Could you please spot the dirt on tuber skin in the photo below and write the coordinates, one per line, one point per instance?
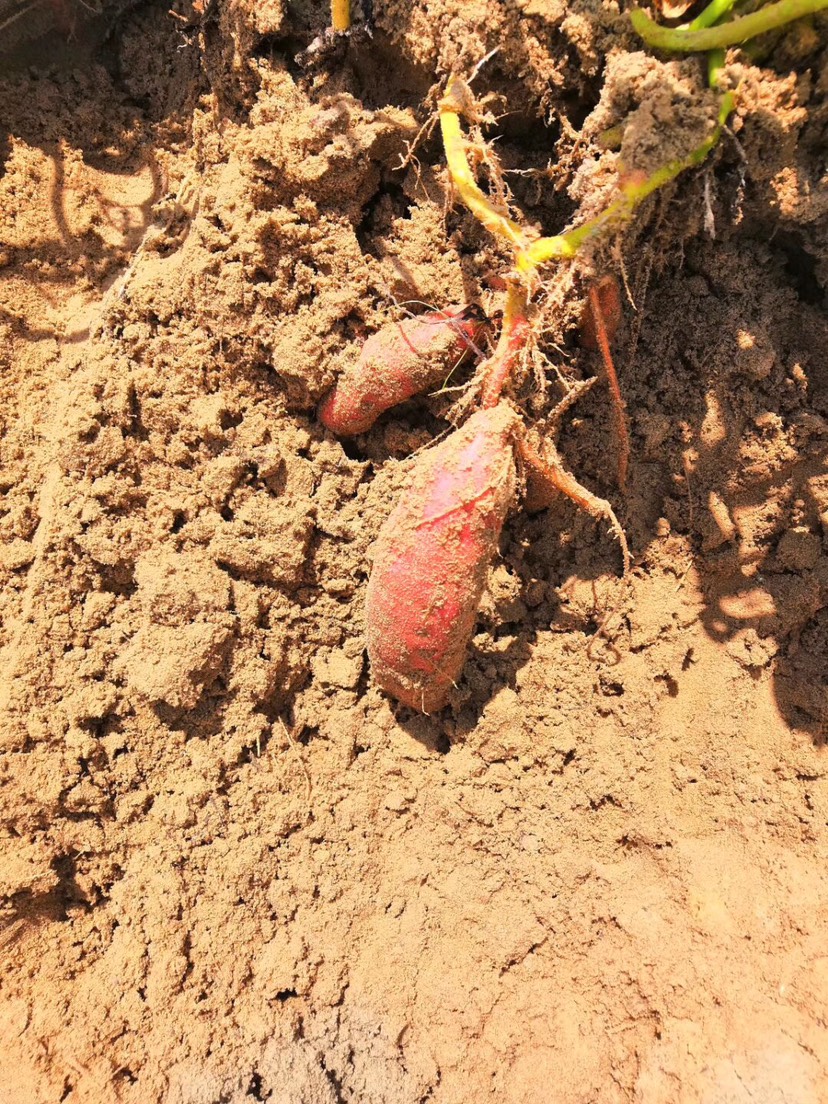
(399, 361)
(432, 557)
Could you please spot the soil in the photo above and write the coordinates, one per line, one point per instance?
(231, 868)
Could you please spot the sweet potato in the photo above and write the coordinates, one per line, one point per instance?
(399, 361)
(431, 559)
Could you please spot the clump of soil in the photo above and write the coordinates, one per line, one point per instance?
(231, 869)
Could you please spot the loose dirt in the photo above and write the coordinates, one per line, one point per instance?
(230, 868)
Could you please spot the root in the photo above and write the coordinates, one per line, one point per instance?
(24, 9)
(619, 408)
(552, 470)
(613, 609)
(513, 339)
(575, 392)
(410, 156)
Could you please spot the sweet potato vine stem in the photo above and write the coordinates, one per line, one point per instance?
(633, 192)
(692, 40)
(515, 331)
(531, 252)
(514, 334)
(341, 15)
(458, 101)
(714, 11)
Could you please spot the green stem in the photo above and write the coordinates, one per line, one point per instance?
(711, 14)
(715, 64)
(729, 34)
(632, 194)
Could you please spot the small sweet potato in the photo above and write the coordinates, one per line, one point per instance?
(432, 556)
(400, 360)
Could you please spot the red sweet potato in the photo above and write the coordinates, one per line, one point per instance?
(432, 556)
(400, 360)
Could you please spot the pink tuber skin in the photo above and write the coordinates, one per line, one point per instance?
(432, 556)
(400, 360)
(433, 553)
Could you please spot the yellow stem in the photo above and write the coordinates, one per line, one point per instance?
(542, 250)
(341, 15)
(456, 100)
(531, 252)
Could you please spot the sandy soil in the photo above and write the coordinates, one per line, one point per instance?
(231, 869)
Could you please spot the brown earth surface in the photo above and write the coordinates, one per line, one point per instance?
(231, 869)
